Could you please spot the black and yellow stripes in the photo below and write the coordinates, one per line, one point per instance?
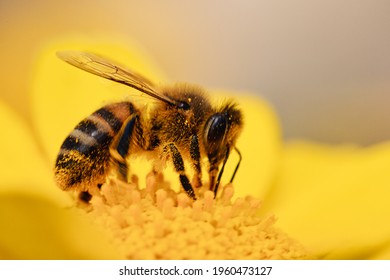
(84, 156)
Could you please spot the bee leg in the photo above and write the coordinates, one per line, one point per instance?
(195, 156)
(179, 167)
(120, 146)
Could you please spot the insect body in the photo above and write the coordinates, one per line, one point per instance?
(182, 124)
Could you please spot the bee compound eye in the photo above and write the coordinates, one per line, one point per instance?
(215, 132)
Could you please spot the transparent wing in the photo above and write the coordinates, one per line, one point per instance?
(110, 70)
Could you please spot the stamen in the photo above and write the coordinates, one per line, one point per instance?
(158, 223)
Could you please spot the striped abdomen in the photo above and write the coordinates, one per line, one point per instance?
(84, 157)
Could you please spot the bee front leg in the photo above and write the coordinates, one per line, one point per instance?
(120, 146)
(195, 156)
(179, 167)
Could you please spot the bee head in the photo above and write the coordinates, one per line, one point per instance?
(220, 133)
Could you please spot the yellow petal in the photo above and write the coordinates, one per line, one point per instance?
(63, 95)
(336, 199)
(23, 168)
(34, 228)
(382, 253)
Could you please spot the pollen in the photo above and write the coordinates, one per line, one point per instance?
(158, 223)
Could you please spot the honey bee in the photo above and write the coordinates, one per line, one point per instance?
(180, 124)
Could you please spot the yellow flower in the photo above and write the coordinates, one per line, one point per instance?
(332, 200)
(61, 96)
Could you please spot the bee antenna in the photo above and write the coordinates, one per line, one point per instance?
(221, 172)
(238, 164)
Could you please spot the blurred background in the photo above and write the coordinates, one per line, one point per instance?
(323, 65)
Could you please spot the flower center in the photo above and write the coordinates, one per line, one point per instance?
(158, 223)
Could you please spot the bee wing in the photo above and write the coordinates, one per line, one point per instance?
(110, 70)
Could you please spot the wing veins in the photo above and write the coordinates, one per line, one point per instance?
(104, 68)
